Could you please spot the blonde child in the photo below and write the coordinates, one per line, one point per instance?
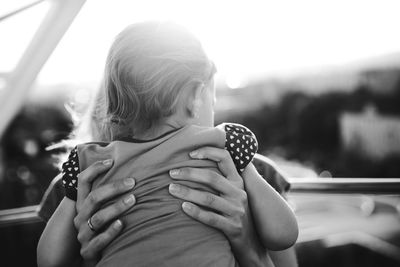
(158, 103)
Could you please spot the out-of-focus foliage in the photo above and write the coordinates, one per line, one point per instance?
(26, 167)
(306, 128)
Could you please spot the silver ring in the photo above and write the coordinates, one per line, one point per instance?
(89, 223)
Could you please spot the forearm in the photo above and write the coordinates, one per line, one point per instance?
(284, 258)
(58, 245)
(254, 256)
(248, 249)
(275, 222)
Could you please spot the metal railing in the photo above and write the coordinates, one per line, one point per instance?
(17, 216)
(375, 186)
(345, 185)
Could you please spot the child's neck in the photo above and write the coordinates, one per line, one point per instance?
(159, 130)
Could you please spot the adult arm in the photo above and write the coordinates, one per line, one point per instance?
(58, 245)
(238, 225)
(105, 219)
(274, 220)
(88, 205)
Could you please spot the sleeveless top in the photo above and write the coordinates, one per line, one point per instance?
(157, 232)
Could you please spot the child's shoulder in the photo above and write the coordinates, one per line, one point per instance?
(73, 156)
(240, 142)
(91, 144)
(235, 128)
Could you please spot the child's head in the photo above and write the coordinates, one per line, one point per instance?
(155, 71)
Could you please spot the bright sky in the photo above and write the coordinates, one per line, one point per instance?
(244, 38)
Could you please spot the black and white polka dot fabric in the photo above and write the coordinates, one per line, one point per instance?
(241, 144)
(70, 171)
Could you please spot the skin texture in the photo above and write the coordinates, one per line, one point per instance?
(70, 220)
(227, 211)
(277, 225)
(235, 220)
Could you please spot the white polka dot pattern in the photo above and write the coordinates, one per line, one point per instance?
(70, 171)
(241, 144)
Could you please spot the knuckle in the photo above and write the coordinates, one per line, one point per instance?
(184, 191)
(241, 183)
(186, 171)
(235, 229)
(98, 164)
(243, 197)
(93, 198)
(118, 186)
(217, 180)
(195, 212)
(229, 230)
(78, 207)
(96, 220)
(76, 222)
(226, 154)
(81, 177)
(105, 236)
(121, 206)
(85, 253)
(212, 221)
(213, 178)
(86, 175)
(97, 242)
(209, 199)
(112, 231)
(240, 211)
(79, 237)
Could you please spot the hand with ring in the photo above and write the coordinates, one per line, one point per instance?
(227, 210)
(97, 226)
(89, 223)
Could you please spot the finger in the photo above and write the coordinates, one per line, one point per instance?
(87, 176)
(221, 157)
(207, 217)
(204, 176)
(98, 243)
(102, 217)
(205, 199)
(104, 193)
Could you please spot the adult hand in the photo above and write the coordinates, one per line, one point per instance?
(228, 210)
(103, 219)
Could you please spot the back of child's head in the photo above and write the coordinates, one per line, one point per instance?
(149, 68)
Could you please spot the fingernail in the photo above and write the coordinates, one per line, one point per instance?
(193, 153)
(117, 225)
(174, 188)
(186, 206)
(196, 154)
(107, 162)
(129, 200)
(129, 182)
(174, 172)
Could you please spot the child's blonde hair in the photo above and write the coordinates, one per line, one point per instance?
(148, 67)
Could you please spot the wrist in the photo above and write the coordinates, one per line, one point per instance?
(89, 263)
(252, 253)
(253, 258)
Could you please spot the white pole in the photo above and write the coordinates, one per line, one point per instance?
(45, 40)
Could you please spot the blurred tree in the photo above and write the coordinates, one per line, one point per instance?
(306, 128)
(28, 166)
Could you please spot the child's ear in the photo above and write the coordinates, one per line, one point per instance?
(195, 101)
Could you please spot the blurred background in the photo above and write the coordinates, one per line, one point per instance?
(317, 81)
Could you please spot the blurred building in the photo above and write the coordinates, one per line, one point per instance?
(381, 80)
(371, 134)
